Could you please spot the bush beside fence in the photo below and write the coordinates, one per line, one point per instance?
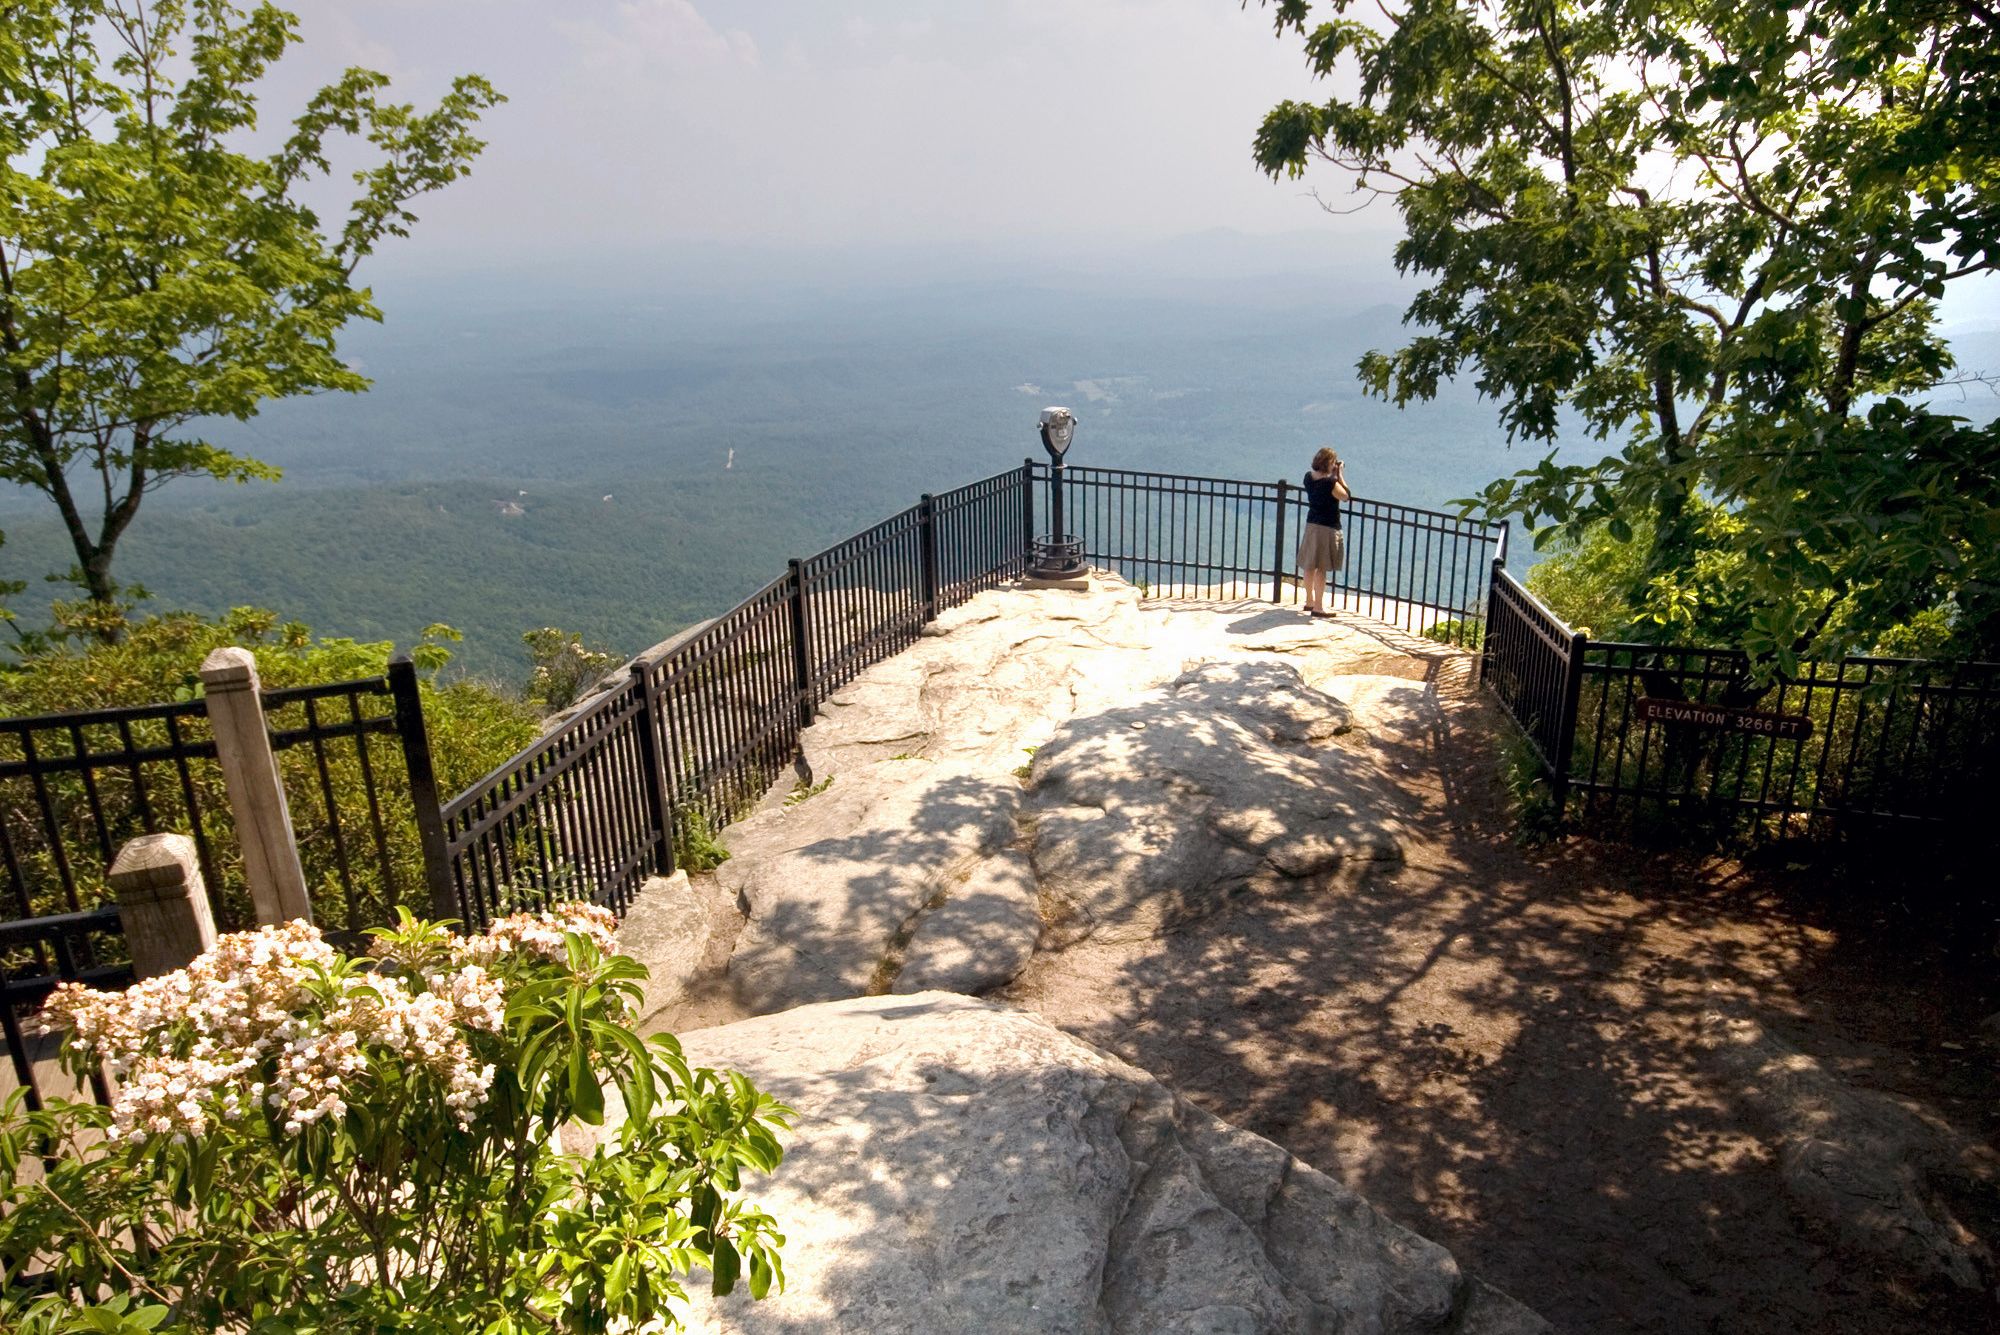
(1895, 742)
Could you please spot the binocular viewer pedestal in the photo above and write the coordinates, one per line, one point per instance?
(1055, 561)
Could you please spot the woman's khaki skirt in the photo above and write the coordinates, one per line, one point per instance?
(1322, 548)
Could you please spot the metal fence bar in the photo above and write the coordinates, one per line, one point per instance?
(1883, 734)
(35, 955)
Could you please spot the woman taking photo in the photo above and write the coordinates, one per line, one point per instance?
(1321, 548)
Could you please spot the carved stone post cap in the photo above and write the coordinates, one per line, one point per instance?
(230, 668)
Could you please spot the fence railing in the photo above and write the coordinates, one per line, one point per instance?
(1886, 740)
(693, 737)
(687, 741)
(1530, 661)
(1178, 537)
(75, 787)
(1632, 733)
(865, 599)
(690, 737)
(36, 954)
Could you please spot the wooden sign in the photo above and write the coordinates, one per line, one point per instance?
(1788, 727)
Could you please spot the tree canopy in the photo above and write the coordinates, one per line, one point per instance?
(1715, 236)
(153, 273)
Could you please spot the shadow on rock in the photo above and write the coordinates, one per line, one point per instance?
(1154, 814)
(959, 1167)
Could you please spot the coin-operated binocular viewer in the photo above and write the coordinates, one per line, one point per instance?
(1056, 554)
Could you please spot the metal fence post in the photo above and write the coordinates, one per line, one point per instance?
(256, 791)
(927, 535)
(1486, 631)
(653, 770)
(801, 651)
(1278, 552)
(1579, 645)
(1027, 512)
(162, 903)
(424, 795)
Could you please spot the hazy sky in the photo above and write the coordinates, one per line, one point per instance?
(802, 122)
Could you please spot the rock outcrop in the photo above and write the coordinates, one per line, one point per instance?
(831, 885)
(1179, 752)
(1153, 813)
(1875, 1173)
(959, 1167)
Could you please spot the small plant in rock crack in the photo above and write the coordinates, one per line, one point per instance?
(695, 846)
(803, 790)
(1022, 772)
(306, 1141)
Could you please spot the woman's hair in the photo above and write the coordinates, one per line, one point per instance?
(1323, 461)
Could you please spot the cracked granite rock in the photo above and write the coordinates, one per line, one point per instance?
(1154, 813)
(960, 1167)
(1178, 751)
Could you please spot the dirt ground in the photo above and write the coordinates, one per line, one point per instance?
(1498, 1046)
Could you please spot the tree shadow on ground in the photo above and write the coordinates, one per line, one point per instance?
(1500, 1047)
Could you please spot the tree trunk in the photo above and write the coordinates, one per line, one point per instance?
(101, 589)
(97, 581)
(1673, 529)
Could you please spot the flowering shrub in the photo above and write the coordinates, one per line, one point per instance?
(306, 1142)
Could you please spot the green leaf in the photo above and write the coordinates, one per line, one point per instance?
(586, 1095)
(726, 1265)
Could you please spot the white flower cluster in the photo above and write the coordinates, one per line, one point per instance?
(239, 1001)
(542, 933)
(421, 1027)
(245, 1025)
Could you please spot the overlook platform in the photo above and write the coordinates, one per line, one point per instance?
(1269, 861)
(1059, 764)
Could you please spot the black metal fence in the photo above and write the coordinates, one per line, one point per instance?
(1530, 661)
(1898, 742)
(1205, 537)
(1636, 735)
(690, 739)
(35, 955)
(687, 741)
(75, 787)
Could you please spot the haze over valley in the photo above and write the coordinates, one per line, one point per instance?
(554, 449)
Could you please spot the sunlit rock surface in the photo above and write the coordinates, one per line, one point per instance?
(1092, 759)
(959, 1167)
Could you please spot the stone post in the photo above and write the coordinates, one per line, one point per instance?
(256, 792)
(162, 903)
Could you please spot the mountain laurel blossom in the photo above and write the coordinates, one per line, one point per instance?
(303, 1139)
(268, 1022)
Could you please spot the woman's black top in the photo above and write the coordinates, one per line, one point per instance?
(1321, 507)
